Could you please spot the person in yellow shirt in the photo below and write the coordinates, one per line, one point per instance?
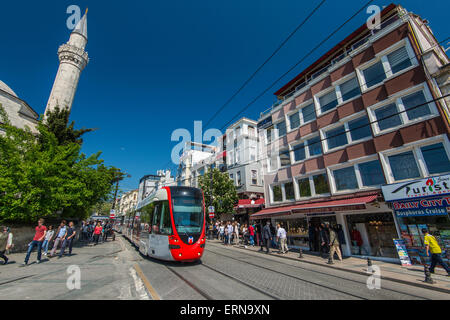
(431, 245)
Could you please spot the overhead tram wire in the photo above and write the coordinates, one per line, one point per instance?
(360, 127)
(265, 62)
(300, 61)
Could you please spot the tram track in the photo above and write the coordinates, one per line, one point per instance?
(322, 273)
(290, 276)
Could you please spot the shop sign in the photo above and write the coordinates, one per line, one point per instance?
(422, 207)
(320, 214)
(400, 245)
(433, 186)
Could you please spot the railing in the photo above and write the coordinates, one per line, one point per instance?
(333, 62)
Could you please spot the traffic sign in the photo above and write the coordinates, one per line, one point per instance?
(211, 215)
(211, 209)
(112, 214)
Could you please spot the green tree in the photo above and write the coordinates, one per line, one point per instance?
(57, 122)
(41, 176)
(222, 195)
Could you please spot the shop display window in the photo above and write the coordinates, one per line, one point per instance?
(297, 231)
(372, 234)
(411, 232)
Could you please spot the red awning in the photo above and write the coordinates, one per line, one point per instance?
(248, 203)
(325, 206)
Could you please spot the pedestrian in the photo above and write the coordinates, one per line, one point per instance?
(334, 243)
(222, 232)
(267, 236)
(85, 232)
(4, 245)
(39, 236)
(258, 232)
(60, 236)
(431, 245)
(251, 233)
(97, 232)
(236, 233)
(229, 232)
(274, 232)
(311, 236)
(324, 240)
(48, 238)
(68, 241)
(282, 239)
(341, 236)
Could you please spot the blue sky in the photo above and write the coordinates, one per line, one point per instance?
(160, 65)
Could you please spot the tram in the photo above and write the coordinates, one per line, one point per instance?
(169, 224)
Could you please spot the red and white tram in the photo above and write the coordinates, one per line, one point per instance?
(169, 224)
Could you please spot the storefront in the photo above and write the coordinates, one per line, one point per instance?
(422, 204)
(366, 227)
(247, 207)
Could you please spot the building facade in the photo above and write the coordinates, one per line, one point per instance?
(127, 202)
(368, 113)
(150, 183)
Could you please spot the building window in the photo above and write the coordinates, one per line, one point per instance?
(345, 179)
(238, 176)
(308, 113)
(304, 188)
(299, 152)
(321, 185)
(294, 121)
(404, 166)
(232, 177)
(314, 146)
(415, 105)
(277, 194)
(269, 135)
(350, 89)
(285, 158)
(388, 117)
(328, 101)
(374, 74)
(336, 137)
(289, 191)
(426, 158)
(371, 173)
(436, 158)
(281, 129)
(359, 128)
(403, 110)
(254, 177)
(251, 131)
(399, 60)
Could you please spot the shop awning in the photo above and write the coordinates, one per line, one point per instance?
(248, 203)
(356, 203)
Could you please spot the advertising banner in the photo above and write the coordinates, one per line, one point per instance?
(422, 207)
(427, 187)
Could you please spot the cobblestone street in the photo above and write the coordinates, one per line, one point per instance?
(117, 271)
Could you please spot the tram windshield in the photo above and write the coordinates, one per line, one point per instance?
(188, 214)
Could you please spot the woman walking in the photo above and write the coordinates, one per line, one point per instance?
(97, 232)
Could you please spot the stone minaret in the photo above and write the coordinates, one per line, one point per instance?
(73, 59)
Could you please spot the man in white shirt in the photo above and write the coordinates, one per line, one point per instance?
(282, 239)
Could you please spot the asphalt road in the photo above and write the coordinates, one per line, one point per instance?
(117, 271)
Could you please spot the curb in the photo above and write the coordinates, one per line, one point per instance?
(420, 285)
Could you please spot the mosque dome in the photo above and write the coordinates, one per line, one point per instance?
(4, 87)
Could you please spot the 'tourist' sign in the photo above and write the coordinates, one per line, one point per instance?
(433, 186)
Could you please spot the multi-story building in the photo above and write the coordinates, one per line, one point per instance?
(128, 202)
(150, 183)
(243, 166)
(368, 113)
(194, 162)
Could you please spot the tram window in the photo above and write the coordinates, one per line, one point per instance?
(166, 222)
(147, 217)
(156, 218)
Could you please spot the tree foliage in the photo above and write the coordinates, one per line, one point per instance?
(44, 175)
(222, 195)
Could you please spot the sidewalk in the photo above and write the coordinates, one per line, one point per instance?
(413, 275)
(106, 273)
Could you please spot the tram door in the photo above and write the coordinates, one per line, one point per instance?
(146, 221)
(161, 229)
